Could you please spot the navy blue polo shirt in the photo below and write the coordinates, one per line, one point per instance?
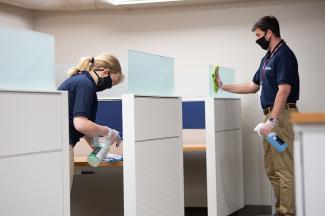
(83, 101)
(276, 69)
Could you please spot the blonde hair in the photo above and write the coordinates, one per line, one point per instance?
(103, 60)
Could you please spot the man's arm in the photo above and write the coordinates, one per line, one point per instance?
(280, 100)
(278, 106)
(243, 88)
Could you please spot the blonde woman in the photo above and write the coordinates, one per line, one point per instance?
(91, 75)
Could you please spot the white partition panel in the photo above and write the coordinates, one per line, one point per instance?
(34, 156)
(153, 156)
(224, 156)
(26, 117)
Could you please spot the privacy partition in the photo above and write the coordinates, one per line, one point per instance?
(153, 156)
(27, 60)
(34, 156)
(224, 156)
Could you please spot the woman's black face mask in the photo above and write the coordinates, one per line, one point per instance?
(103, 82)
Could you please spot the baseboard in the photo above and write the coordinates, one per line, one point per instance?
(247, 210)
(196, 210)
(254, 209)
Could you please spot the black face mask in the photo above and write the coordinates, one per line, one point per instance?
(103, 82)
(263, 42)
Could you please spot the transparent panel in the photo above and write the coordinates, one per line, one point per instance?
(150, 74)
(227, 76)
(61, 72)
(27, 60)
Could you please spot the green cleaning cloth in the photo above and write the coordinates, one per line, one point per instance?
(215, 74)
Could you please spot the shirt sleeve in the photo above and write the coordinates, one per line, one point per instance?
(286, 69)
(84, 97)
(256, 78)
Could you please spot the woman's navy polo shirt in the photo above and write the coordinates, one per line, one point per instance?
(278, 69)
(83, 101)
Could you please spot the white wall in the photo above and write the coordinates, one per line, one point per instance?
(196, 37)
(15, 17)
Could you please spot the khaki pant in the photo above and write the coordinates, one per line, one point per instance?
(71, 160)
(279, 167)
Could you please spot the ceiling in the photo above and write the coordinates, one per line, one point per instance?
(60, 5)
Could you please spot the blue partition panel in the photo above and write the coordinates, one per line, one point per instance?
(227, 76)
(193, 115)
(150, 74)
(109, 113)
(27, 60)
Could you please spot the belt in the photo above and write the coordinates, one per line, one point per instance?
(288, 106)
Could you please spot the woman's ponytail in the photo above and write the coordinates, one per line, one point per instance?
(85, 64)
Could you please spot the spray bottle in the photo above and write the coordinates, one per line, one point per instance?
(273, 139)
(101, 149)
(276, 142)
(99, 153)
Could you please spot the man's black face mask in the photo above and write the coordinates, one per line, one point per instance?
(103, 82)
(263, 42)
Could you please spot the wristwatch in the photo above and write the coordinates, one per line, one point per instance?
(274, 121)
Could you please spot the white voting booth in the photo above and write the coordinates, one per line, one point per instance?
(152, 147)
(34, 155)
(223, 142)
(153, 156)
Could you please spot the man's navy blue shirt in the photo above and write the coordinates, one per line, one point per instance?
(281, 68)
(83, 101)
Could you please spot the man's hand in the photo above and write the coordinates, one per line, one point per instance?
(219, 81)
(265, 128)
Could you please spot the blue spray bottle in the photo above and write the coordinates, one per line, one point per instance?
(276, 142)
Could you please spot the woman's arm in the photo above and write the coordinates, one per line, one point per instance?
(89, 128)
